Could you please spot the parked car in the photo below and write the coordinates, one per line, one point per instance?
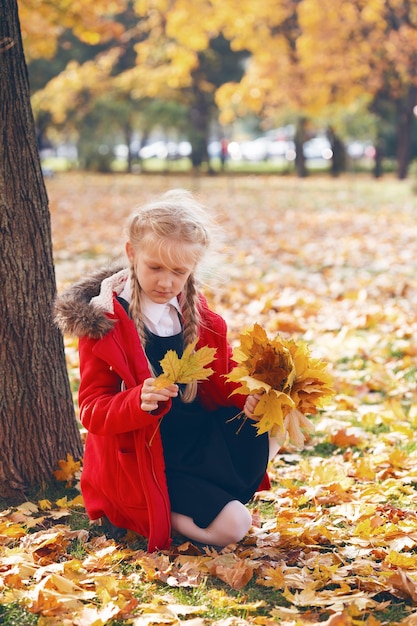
(360, 149)
(259, 149)
(281, 149)
(255, 150)
(318, 148)
(165, 150)
(155, 150)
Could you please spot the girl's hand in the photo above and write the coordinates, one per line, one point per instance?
(250, 405)
(150, 396)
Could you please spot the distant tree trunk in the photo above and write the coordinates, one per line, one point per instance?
(378, 159)
(339, 154)
(37, 422)
(299, 139)
(200, 125)
(128, 139)
(405, 126)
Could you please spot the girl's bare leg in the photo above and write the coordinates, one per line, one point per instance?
(230, 526)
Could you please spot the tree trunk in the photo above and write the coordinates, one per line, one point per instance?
(37, 420)
(128, 139)
(404, 133)
(299, 139)
(378, 159)
(199, 125)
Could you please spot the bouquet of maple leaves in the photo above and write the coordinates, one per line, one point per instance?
(291, 383)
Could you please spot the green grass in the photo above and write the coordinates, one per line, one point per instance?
(15, 615)
(183, 165)
(324, 449)
(52, 490)
(394, 613)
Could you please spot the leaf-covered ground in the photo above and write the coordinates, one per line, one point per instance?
(331, 261)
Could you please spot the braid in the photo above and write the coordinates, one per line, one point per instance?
(135, 309)
(189, 306)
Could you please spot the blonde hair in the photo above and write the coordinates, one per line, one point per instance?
(165, 225)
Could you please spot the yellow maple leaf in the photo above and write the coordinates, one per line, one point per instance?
(398, 458)
(45, 505)
(292, 383)
(364, 469)
(271, 408)
(190, 367)
(68, 471)
(403, 561)
(12, 530)
(272, 577)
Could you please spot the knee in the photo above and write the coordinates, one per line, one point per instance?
(230, 526)
(233, 523)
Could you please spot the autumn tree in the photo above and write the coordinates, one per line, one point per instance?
(370, 49)
(274, 79)
(316, 57)
(155, 59)
(37, 422)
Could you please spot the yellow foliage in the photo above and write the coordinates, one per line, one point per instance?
(67, 89)
(43, 22)
(306, 55)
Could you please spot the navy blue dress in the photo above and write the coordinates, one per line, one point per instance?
(211, 458)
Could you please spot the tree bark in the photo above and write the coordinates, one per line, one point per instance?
(37, 419)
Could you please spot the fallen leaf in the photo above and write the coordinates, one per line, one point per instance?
(232, 570)
(69, 470)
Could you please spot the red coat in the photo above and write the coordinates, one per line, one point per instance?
(123, 472)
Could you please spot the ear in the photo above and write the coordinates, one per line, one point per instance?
(130, 251)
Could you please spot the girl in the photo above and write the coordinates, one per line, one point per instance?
(172, 458)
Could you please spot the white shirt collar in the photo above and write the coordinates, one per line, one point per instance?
(154, 311)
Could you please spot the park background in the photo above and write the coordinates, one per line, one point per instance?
(127, 85)
(314, 247)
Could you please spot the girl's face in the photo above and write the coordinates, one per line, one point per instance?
(159, 278)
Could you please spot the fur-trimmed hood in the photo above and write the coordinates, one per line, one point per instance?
(82, 309)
